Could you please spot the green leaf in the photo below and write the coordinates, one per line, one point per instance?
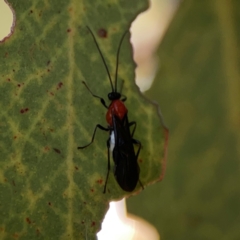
(198, 89)
(49, 188)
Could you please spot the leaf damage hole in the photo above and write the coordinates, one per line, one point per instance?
(7, 20)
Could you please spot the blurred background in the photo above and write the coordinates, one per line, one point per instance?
(6, 17)
(197, 86)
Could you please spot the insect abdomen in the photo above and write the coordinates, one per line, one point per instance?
(126, 170)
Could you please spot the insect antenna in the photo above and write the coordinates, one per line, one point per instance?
(117, 60)
(104, 62)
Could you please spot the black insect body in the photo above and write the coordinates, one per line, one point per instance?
(126, 170)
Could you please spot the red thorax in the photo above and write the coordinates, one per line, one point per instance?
(116, 108)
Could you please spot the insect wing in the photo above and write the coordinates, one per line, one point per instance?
(126, 167)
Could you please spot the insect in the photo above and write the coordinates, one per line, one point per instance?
(120, 141)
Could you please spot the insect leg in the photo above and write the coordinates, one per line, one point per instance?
(134, 141)
(139, 148)
(101, 99)
(141, 184)
(124, 98)
(97, 126)
(108, 169)
(134, 128)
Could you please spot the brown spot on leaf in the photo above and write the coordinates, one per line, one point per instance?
(15, 235)
(46, 148)
(24, 110)
(100, 181)
(102, 33)
(28, 220)
(60, 84)
(57, 150)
